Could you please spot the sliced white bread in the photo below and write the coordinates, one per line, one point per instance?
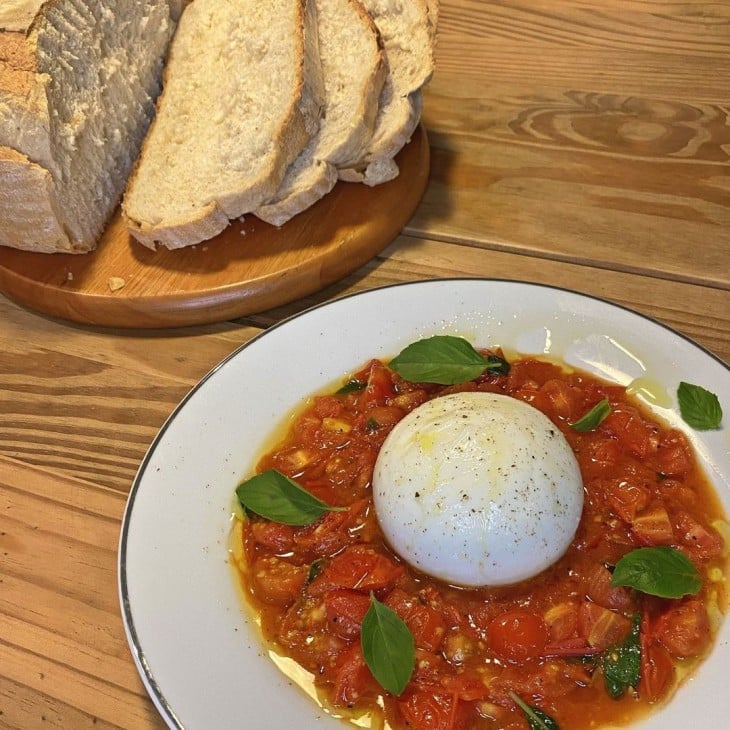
(408, 31)
(354, 71)
(78, 83)
(242, 96)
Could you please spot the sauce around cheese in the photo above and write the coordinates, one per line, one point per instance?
(557, 643)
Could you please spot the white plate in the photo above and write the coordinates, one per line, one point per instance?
(197, 652)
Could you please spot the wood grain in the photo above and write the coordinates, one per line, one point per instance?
(63, 652)
(250, 266)
(588, 132)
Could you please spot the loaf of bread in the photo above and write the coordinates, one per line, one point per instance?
(242, 96)
(78, 84)
(353, 70)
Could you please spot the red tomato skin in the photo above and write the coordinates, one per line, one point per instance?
(275, 536)
(331, 532)
(684, 630)
(352, 678)
(345, 612)
(600, 626)
(278, 582)
(359, 568)
(517, 635)
(426, 624)
(625, 423)
(657, 671)
(427, 711)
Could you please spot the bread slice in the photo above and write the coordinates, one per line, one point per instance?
(242, 96)
(78, 83)
(408, 30)
(353, 69)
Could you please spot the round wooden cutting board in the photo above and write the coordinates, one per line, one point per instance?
(250, 267)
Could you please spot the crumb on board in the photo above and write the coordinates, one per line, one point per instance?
(116, 282)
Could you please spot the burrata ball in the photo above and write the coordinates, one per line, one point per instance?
(478, 489)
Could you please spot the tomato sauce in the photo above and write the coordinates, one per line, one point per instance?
(476, 649)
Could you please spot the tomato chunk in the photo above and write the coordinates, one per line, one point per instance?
(674, 455)
(657, 670)
(352, 678)
(684, 630)
(359, 568)
(517, 635)
(626, 424)
(702, 542)
(278, 581)
(653, 527)
(600, 627)
(273, 535)
(426, 624)
(426, 711)
(345, 611)
(330, 533)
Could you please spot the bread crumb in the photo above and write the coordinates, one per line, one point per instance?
(70, 276)
(116, 282)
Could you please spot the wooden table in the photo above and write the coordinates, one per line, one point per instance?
(582, 143)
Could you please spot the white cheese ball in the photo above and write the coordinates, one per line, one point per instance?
(478, 489)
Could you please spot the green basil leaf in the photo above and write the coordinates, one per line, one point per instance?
(536, 718)
(593, 418)
(280, 499)
(442, 359)
(699, 407)
(497, 365)
(622, 663)
(388, 647)
(351, 386)
(659, 571)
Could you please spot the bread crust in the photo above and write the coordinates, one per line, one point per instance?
(29, 217)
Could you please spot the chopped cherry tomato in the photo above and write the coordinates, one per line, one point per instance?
(278, 581)
(360, 568)
(378, 389)
(345, 611)
(673, 454)
(426, 711)
(328, 406)
(657, 670)
(626, 424)
(653, 527)
(426, 624)
(684, 629)
(273, 535)
(330, 533)
(601, 452)
(467, 686)
(517, 635)
(598, 588)
(627, 498)
(564, 400)
(702, 542)
(601, 627)
(352, 678)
